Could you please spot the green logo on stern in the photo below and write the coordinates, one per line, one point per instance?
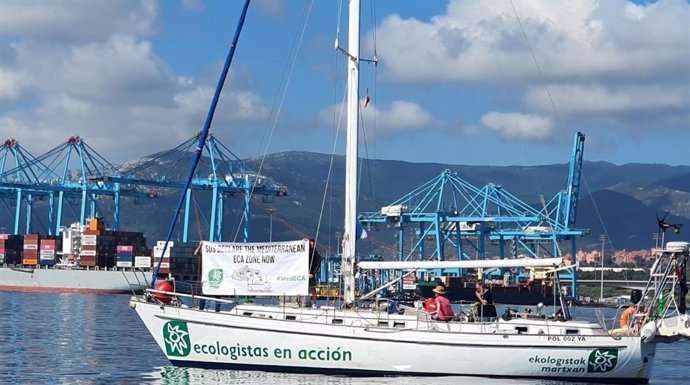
(602, 360)
(176, 337)
(215, 277)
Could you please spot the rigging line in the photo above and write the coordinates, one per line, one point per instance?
(337, 24)
(292, 56)
(282, 98)
(201, 235)
(536, 63)
(499, 63)
(330, 166)
(596, 210)
(204, 134)
(195, 204)
(373, 30)
(366, 161)
(335, 122)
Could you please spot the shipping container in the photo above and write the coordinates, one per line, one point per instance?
(142, 261)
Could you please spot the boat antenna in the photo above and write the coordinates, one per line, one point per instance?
(203, 135)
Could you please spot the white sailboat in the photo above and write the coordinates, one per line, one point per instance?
(371, 341)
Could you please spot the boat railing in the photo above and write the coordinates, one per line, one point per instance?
(139, 283)
(175, 298)
(658, 296)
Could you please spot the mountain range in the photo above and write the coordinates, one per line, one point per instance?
(621, 201)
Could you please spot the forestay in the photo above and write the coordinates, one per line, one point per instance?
(263, 268)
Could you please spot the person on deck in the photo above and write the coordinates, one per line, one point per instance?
(314, 267)
(630, 326)
(443, 310)
(487, 310)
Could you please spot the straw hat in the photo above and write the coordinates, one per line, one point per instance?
(439, 290)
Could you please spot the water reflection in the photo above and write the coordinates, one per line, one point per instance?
(89, 339)
(171, 375)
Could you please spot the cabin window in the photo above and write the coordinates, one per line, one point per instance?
(383, 323)
(571, 331)
(399, 325)
(290, 317)
(337, 321)
(248, 314)
(521, 329)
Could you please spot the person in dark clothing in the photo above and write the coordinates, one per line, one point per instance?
(487, 310)
(314, 267)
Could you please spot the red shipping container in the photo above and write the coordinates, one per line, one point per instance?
(125, 248)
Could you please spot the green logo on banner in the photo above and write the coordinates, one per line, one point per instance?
(602, 360)
(215, 277)
(176, 337)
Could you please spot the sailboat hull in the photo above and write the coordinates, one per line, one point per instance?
(246, 339)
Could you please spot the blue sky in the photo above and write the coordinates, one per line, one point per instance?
(457, 82)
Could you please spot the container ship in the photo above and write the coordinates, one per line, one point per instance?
(89, 259)
(525, 293)
(530, 287)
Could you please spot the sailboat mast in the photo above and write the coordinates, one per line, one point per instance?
(351, 154)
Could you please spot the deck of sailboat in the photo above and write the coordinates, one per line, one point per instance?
(329, 319)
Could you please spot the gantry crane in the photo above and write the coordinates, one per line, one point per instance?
(221, 172)
(58, 175)
(458, 217)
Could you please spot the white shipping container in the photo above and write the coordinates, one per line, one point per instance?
(89, 237)
(46, 252)
(124, 264)
(393, 211)
(30, 246)
(157, 253)
(140, 261)
(88, 242)
(88, 252)
(162, 243)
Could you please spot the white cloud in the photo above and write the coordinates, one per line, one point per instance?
(482, 41)
(195, 5)
(10, 88)
(572, 99)
(520, 126)
(76, 19)
(109, 87)
(120, 70)
(270, 8)
(399, 117)
(234, 105)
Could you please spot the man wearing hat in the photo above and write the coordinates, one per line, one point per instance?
(443, 311)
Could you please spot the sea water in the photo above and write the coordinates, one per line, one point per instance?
(98, 339)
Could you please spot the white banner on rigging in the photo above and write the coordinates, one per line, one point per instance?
(276, 268)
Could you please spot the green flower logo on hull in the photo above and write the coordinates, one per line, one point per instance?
(215, 277)
(176, 337)
(602, 360)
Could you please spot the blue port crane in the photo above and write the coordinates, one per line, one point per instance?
(17, 176)
(59, 175)
(221, 173)
(74, 173)
(461, 218)
(564, 204)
